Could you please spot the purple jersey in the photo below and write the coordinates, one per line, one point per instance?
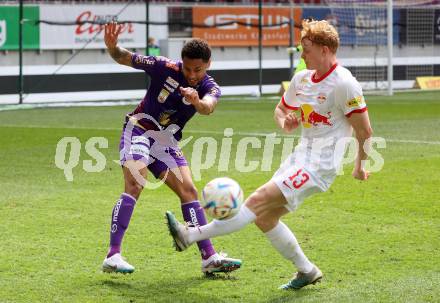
(163, 100)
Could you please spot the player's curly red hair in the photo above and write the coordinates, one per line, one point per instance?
(320, 32)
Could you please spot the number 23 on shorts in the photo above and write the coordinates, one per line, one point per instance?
(297, 180)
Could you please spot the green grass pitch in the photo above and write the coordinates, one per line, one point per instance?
(377, 241)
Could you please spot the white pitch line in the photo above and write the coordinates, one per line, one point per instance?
(297, 136)
(413, 141)
(60, 127)
(255, 134)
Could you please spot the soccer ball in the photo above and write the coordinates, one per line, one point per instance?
(222, 198)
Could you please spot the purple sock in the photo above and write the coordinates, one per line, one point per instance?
(120, 219)
(193, 213)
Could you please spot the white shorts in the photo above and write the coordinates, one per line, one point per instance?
(296, 182)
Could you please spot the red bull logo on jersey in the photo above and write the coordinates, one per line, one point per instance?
(310, 117)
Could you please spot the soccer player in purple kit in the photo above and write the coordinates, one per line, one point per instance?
(178, 90)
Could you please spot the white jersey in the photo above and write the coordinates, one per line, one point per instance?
(325, 104)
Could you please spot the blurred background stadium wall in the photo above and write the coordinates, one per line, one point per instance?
(64, 57)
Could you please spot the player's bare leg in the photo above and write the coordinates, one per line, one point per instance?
(265, 206)
(259, 202)
(180, 181)
(135, 173)
(184, 236)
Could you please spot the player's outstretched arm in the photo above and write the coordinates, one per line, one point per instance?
(119, 54)
(361, 125)
(204, 106)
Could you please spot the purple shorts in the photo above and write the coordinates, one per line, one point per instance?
(154, 148)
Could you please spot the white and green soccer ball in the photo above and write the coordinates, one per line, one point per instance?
(222, 198)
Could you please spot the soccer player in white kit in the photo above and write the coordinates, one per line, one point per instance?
(331, 106)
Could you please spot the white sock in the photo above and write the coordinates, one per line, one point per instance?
(285, 242)
(222, 227)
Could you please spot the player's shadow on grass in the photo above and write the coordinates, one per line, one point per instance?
(160, 291)
(117, 284)
(180, 291)
(292, 295)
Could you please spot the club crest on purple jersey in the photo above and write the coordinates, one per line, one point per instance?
(163, 95)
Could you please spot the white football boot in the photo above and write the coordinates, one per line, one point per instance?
(117, 264)
(178, 231)
(303, 279)
(220, 263)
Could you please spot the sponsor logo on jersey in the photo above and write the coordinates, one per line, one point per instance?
(169, 88)
(170, 85)
(304, 80)
(163, 95)
(172, 82)
(164, 117)
(310, 117)
(144, 60)
(302, 83)
(172, 65)
(168, 63)
(214, 91)
(356, 101)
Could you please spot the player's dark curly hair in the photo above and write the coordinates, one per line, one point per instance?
(196, 49)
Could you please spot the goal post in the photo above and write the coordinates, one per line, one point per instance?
(367, 34)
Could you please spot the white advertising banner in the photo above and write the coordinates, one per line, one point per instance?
(133, 35)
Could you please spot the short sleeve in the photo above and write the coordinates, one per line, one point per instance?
(211, 89)
(146, 63)
(289, 99)
(350, 98)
